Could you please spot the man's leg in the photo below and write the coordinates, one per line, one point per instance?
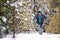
(41, 29)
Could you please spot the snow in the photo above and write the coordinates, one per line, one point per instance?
(26, 19)
(7, 1)
(33, 36)
(20, 3)
(4, 19)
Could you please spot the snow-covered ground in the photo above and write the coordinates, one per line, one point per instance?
(33, 36)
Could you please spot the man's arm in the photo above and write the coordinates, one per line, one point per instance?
(34, 18)
(44, 16)
(46, 20)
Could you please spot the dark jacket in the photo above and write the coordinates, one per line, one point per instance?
(40, 19)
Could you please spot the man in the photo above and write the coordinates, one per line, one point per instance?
(40, 20)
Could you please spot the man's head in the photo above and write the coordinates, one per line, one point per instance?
(39, 12)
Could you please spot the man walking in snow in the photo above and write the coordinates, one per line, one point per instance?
(40, 20)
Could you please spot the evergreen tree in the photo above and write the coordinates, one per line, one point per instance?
(54, 26)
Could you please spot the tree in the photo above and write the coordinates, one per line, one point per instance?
(19, 18)
(7, 14)
(54, 25)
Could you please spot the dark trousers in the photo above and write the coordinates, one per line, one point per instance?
(40, 26)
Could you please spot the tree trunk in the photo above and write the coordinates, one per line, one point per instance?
(14, 33)
(13, 22)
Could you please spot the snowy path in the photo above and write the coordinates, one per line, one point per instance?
(34, 36)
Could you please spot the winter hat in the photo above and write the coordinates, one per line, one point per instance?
(39, 12)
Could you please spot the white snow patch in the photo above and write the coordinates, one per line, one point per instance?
(33, 36)
(4, 19)
(20, 3)
(26, 19)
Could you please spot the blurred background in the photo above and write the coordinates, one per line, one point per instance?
(16, 16)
